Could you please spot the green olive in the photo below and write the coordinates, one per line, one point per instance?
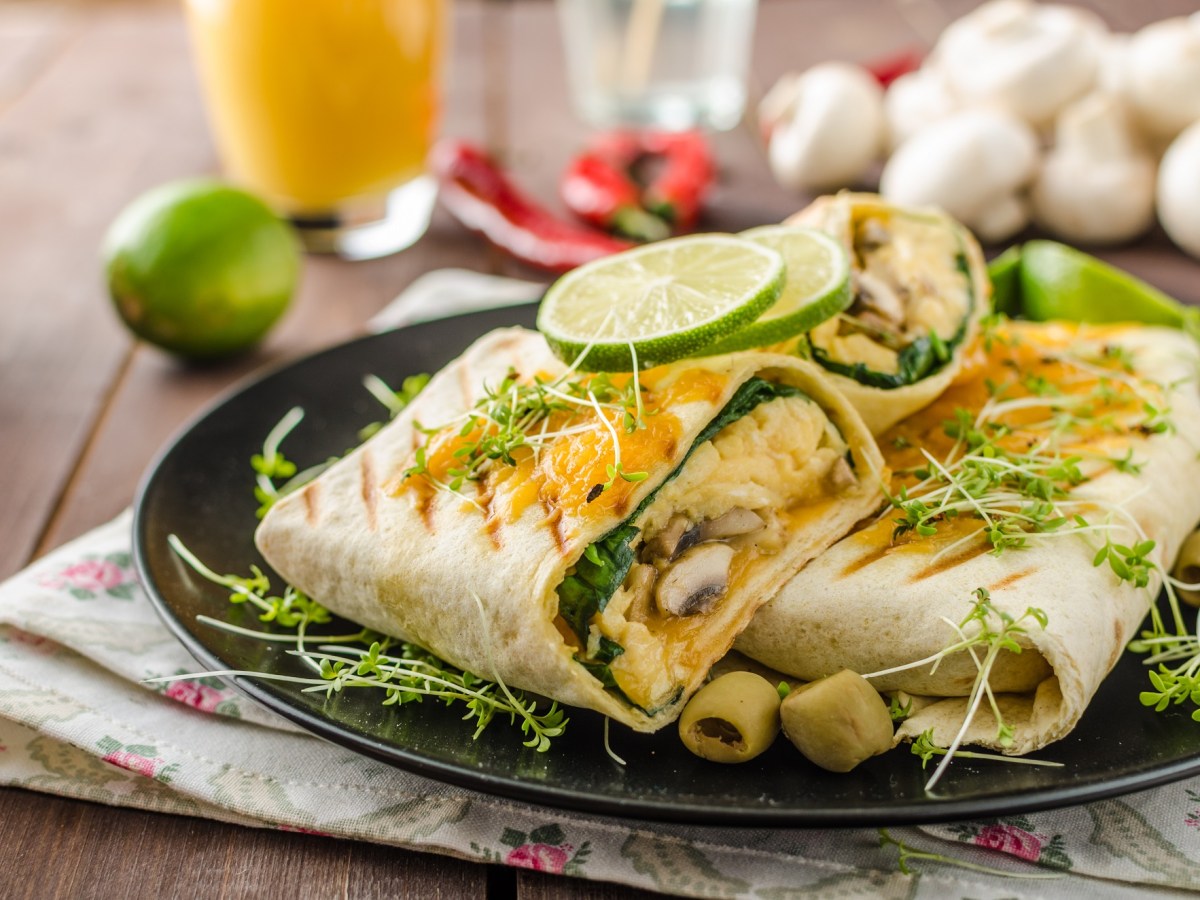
(837, 722)
(731, 719)
(1187, 568)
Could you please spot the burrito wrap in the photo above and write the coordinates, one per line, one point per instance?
(914, 266)
(870, 603)
(476, 585)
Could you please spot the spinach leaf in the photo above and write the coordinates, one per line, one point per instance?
(603, 567)
(923, 357)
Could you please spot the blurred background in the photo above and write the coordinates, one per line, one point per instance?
(101, 101)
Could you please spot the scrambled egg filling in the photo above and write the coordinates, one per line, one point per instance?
(907, 284)
(729, 505)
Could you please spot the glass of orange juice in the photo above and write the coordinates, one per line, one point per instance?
(327, 108)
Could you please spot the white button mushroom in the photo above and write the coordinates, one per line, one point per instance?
(827, 126)
(974, 165)
(1163, 75)
(1179, 190)
(916, 100)
(1026, 58)
(1097, 185)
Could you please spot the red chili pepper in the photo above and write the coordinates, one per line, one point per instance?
(600, 185)
(680, 187)
(889, 68)
(480, 195)
(607, 197)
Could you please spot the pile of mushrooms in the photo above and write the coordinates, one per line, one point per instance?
(1021, 112)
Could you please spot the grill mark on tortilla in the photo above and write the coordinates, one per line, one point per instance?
(863, 561)
(554, 522)
(1011, 579)
(466, 385)
(967, 554)
(366, 472)
(491, 521)
(310, 503)
(1119, 646)
(424, 491)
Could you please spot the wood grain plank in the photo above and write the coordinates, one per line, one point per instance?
(56, 848)
(334, 302)
(540, 886)
(30, 38)
(73, 149)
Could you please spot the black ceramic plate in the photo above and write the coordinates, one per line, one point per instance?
(200, 489)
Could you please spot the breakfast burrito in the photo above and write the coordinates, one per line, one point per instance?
(1058, 474)
(920, 289)
(597, 539)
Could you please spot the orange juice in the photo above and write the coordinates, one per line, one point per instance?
(319, 102)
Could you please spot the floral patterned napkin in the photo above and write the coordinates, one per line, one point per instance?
(78, 637)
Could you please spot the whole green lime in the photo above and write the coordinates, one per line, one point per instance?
(200, 268)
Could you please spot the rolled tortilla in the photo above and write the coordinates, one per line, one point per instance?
(875, 600)
(494, 578)
(921, 288)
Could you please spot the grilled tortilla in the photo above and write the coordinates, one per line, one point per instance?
(753, 465)
(1118, 403)
(920, 289)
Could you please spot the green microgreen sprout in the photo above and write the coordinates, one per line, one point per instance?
(1178, 683)
(612, 754)
(909, 854)
(404, 672)
(897, 710)
(271, 465)
(518, 413)
(1025, 494)
(991, 628)
(393, 401)
(1021, 494)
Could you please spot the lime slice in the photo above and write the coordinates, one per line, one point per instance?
(1059, 282)
(668, 300)
(818, 287)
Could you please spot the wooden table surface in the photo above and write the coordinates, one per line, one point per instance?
(98, 101)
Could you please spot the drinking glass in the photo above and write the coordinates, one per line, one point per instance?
(327, 109)
(669, 64)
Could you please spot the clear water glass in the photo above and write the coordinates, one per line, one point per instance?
(669, 64)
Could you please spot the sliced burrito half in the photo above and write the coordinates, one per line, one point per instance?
(920, 289)
(592, 538)
(1041, 476)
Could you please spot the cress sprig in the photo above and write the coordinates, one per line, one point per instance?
(518, 413)
(993, 630)
(404, 672)
(407, 675)
(909, 854)
(1024, 495)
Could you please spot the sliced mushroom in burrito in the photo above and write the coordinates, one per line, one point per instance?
(594, 538)
(920, 288)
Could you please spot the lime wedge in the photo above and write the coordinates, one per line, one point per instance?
(818, 287)
(667, 300)
(1005, 274)
(1059, 282)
